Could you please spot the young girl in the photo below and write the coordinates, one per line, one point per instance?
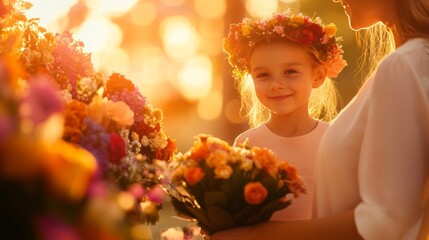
(283, 66)
(374, 157)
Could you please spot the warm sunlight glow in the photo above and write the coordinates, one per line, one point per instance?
(261, 8)
(99, 34)
(179, 38)
(113, 8)
(173, 3)
(289, 1)
(143, 13)
(210, 107)
(113, 59)
(150, 66)
(232, 111)
(50, 12)
(210, 9)
(195, 78)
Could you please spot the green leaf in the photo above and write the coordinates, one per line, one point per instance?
(181, 209)
(216, 198)
(200, 215)
(219, 218)
(265, 213)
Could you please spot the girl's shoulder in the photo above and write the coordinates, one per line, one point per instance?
(257, 132)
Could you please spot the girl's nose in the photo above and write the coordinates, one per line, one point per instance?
(277, 83)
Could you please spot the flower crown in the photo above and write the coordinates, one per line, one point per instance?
(298, 28)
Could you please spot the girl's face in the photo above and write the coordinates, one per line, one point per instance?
(284, 76)
(365, 13)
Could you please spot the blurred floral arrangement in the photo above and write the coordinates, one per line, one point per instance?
(49, 188)
(108, 117)
(223, 187)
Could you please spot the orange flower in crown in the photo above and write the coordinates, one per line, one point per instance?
(298, 28)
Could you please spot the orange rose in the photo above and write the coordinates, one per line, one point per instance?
(255, 193)
(193, 175)
(265, 159)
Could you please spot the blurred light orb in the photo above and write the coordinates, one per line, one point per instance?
(173, 3)
(113, 59)
(180, 39)
(210, 9)
(141, 232)
(232, 111)
(50, 12)
(150, 66)
(261, 8)
(126, 201)
(111, 8)
(99, 34)
(194, 80)
(143, 14)
(210, 107)
(289, 1)
(154, 70)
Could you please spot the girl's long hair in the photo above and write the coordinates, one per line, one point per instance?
(322, 103)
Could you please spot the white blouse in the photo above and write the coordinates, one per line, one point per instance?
(375, 156)
(299, 151)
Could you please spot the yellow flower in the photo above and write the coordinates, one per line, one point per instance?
(68, 169)
(218, 158)
(246, 29)
(223, 171)
(22, 158)
(330, 29)
(297, 19)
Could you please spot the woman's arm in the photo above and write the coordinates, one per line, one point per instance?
(340, 226)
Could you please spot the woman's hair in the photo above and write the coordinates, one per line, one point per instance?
(320, 41)
(322, 103)
(411, 20)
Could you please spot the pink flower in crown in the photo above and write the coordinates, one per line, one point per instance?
(279, 30)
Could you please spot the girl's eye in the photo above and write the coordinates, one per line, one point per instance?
(262, 75)
(290, 71)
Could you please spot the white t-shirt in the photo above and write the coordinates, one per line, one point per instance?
(300, 152)
(375, 156)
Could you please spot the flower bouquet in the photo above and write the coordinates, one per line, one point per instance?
(223, 187)
(108, 117)
(49, 188)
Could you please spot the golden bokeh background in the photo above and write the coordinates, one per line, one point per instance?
(172, 50)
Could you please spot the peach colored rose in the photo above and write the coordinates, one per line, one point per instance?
(101, 109)
(255, 193)
(193, 175)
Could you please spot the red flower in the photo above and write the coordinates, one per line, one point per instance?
(116, 148)
(305, 37)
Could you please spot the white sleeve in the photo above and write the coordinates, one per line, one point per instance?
(394, 154)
